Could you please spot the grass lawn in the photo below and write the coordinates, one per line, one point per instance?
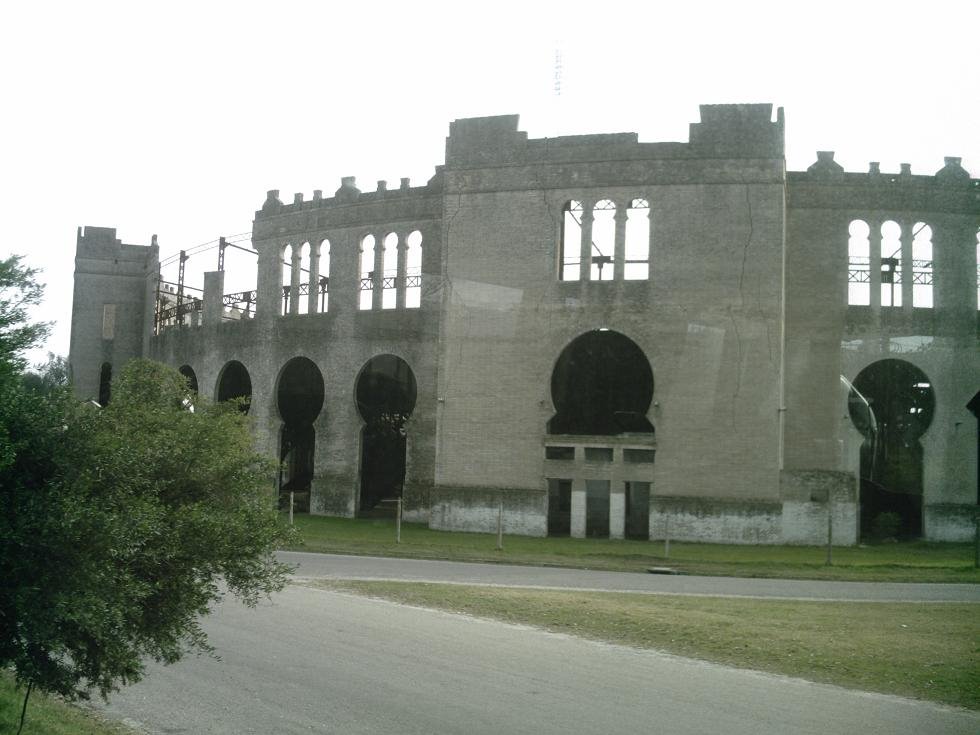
(924, 650)
(49, 715)
(896, 562)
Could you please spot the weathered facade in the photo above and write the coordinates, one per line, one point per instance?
(605, 336)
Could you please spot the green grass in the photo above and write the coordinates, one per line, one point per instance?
(49, 715)
(923, 650)
(903, 562)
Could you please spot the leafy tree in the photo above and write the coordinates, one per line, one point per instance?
(120, 527)
(48, 376)
(19, 290)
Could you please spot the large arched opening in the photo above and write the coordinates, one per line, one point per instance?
(892, 404)
(234, 383)
(601, 386)
(299, 397)
(386, 391)
(188, 372)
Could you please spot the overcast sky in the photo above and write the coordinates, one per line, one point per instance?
(175, 118)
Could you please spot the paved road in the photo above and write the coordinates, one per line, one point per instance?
(366, 567)
(322, 662)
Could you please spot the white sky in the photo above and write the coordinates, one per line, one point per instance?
(175, 118)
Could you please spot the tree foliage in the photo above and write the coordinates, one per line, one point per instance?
(121, 526)
(19, 290)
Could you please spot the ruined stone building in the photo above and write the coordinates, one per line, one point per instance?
(607, 337)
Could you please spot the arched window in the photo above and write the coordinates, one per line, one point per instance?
(366, 270)
(413, 271)
(389, 271)
(287, 277)
(891, 264)
(571, 242)
(324, 271)
(603, 240)
(858, 264)
(922, 265)
(636, 266)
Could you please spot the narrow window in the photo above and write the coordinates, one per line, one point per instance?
(413, 271)
(637, 255)
(108, 321)
(603, 240)
(105, 384)
(324, 273)
(571, 242)
(859, 264)
(304, 279)
(366, 272)
(891, 264)
(922, 265)
(287, 277)
(389, 271)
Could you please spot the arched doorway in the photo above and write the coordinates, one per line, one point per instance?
(601, 386)
(234, 383)
(299, 397)
(105, 384)
(188, 372)
(891, 403)
(386, 391)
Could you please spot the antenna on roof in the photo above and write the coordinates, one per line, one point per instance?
(557, 80)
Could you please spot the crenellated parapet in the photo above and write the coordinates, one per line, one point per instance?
(825, 185)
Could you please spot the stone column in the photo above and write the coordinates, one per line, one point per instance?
(314, 287)
(214, 287)
(585, 265)
(269, 280)
(295, 277)
(619, 252)
(906, 261)
(874, 253)
(578, 509)
(617, 509)
(378, 280)
(401, 282)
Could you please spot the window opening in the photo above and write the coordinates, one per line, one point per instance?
(859, 264)
(324, 275)
(922, 265)
(571, 242)
(639, 456)
(559, 453)
(892, 404)
(559, 507)
(105, 384)
(366, 270)
(637, 510)
(386, 392)
(299, 398)
(602, 384)
(597, 508)
(413, 271)
(891, 264)
(235, 383)
(598, 454)
(636, 266)
(603, 240)
(287, 278)
(188, 372)
(389, 271)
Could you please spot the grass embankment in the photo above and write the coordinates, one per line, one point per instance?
(48, 715)
(902, 562)
(928, 651)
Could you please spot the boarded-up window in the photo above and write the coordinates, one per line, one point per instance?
(108, 321)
